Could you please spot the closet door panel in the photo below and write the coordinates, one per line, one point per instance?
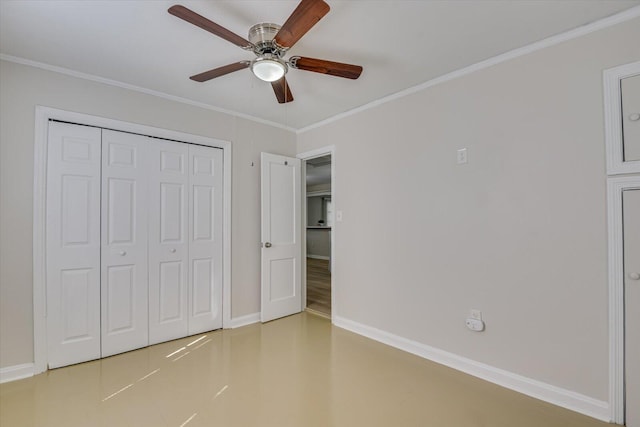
(124, 298)
(168, 243)
(73, 244)
(205, 239)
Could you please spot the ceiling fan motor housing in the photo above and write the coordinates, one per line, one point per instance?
(262, 35)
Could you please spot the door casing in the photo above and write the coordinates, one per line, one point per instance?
(308, 155)
(42, 117)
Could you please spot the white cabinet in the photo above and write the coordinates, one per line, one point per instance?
(134, 241)
(631, 229)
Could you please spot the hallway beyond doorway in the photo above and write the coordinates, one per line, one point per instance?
(319, 286)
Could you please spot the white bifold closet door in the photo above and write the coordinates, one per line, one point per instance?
(134, 241)
(73, 244)
(168, 241)
(205, 242)
(185, 240)
(124, 299)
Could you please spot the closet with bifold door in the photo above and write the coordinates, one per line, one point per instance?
(133, 241)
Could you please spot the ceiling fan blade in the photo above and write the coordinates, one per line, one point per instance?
(322, 66)
(282, 91)
(202, 22)
(305, 16)
(220, 71)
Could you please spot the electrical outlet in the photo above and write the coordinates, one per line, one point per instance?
(475, 314)
(475, 325)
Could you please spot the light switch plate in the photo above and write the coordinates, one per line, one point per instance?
(462, 156)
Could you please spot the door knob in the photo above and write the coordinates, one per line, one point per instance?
(634, 276)
(267, 245)
(123, 253)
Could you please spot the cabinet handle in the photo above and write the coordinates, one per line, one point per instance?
(634, 276)
(173, 250)
(123, 253)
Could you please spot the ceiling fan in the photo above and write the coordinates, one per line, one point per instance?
(270, 43)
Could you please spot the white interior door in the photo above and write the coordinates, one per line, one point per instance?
(168, 242)
(631, 224)
(124, 266)
(205, 239)
(73, 244)
(281, 231)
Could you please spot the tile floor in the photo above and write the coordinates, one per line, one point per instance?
(297, 371)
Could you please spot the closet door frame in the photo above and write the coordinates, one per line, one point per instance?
(42, 117)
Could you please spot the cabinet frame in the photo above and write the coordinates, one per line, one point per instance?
(616, 164)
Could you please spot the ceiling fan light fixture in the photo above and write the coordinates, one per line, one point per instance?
(269, 69)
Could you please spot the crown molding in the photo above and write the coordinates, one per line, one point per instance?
(122, 85)
(598, 25)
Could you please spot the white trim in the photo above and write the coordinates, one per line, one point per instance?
(40, 357)
(303, 235)
(16, 372)
(609, 21)
(615, 187)
(226, 241)
(42, 117)
(122, 85)
(613, 118)
(549, 393)
(326, 258)
(308, 155)
(245, 320)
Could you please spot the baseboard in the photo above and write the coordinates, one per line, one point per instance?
(245, 320)
(549, 393)
(16, 372)
(318, 257)
(317, 313)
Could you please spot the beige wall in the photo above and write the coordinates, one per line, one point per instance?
(21, 89)
(519, 232)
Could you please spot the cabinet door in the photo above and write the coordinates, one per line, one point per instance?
(205, 239)
(168, 241)
(631, 223)
(124, 298)
(73, 244)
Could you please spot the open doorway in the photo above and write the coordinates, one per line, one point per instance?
(318, 230)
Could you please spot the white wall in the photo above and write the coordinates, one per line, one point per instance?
(21, 89)
(519, 232)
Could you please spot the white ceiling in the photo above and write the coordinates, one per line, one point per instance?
(400, 44)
